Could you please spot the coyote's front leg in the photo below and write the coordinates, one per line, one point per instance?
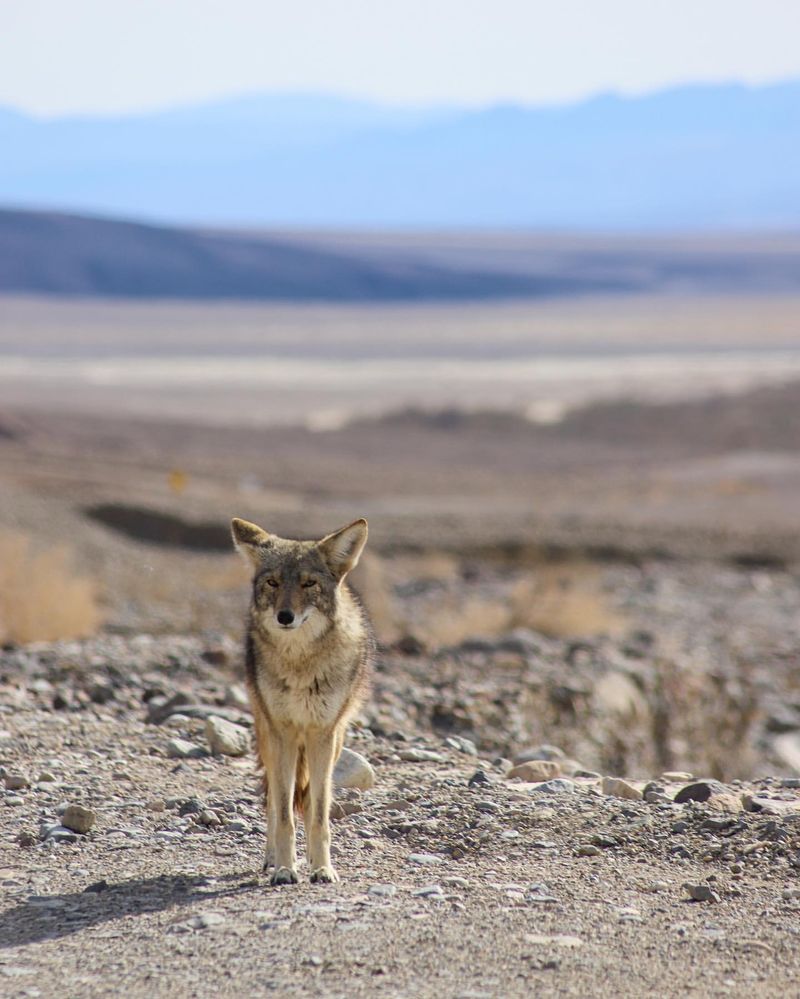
(280, 798)
(320, 751)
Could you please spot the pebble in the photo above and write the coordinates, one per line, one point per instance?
(225, 738)
(236, 697)
(615, 787)
(353, 770)
(463, 745)
(701, 892)
(425, 859)
(420, 756)
(676, 776)
(78, 818)
(181, 749)
(236, 825)
(587, 850)
(14, 800)
(208, 817)
(560, 785)
(536, 770)
(428, 891)
(16, 782)
(58, 834)
(383, 891)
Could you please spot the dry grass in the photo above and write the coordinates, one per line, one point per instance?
(40, 599)
(565, 601)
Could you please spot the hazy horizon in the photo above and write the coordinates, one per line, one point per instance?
(88, 57)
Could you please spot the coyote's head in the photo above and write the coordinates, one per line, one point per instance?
(295, 582)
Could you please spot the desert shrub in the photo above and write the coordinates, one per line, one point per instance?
(40, 598)
(565, 600)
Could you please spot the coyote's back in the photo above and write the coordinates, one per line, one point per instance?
(308, 659)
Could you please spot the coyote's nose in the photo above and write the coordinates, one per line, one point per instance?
(285, 617)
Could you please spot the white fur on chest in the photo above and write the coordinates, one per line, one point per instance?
(302, 684)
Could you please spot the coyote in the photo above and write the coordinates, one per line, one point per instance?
(308, 657)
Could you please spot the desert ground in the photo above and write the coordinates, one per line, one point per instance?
(583, 558)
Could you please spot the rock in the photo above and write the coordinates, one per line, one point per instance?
(236, 697)
(14, 800)
(769, 806)
(699, 791)
(725, 802)
(101, 693)
(58, 833)
(465, 746)
(428, 891)
(676, 776)
(16, 782)
(78, 818)
(615, 787)
(208, 818)
(226, 738)
(701, 892)
(45, 777)
(479, 777)
(353, 770)
(588, 850)
(180, 749)
(236, 825)
(558, 785)
(382, 891)
(424, 859)
(420, 756)
(543, 752)
(535, 770)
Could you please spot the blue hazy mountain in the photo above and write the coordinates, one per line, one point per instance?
(698, 156)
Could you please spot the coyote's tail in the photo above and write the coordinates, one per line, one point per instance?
(301, 781)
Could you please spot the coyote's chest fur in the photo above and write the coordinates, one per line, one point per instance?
(306, 678)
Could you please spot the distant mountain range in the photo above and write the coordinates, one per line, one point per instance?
(57, 253)
(695, 157)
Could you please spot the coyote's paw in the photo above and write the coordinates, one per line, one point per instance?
(324, 876)
(284, 876)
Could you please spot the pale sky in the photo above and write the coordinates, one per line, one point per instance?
(89, 56)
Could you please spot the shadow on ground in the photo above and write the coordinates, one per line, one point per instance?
(50, 917)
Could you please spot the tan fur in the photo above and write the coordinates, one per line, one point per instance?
(306, 678)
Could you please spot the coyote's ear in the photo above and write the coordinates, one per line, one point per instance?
(248, 539)
(342, 549)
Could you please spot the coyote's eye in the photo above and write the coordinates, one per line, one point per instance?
(309, 583)
(272, 582)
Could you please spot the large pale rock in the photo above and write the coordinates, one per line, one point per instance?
(615, 787)
(78, 819)
(536, 770)
(353, 770)
(226, 738)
